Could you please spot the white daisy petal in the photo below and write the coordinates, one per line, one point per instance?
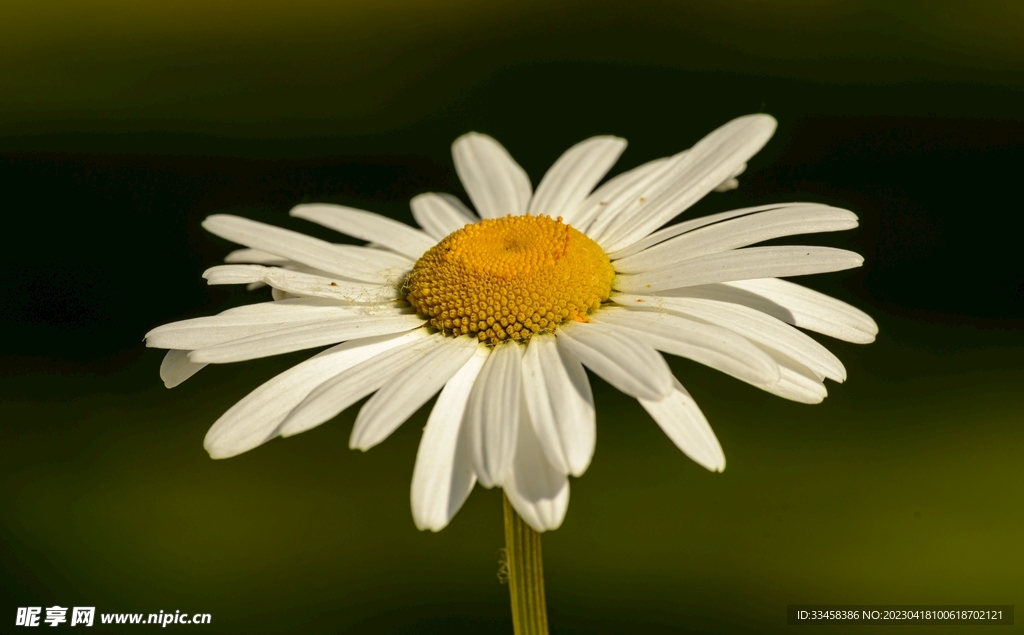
(723, 350)
(252, 421)
(600, 208)
(796, 382)
(538, 491)
(281, 263)
(408, 390)
(656, 177)
(683, 422)
(302, 284)
(492, 413)
(739, 232)
(206, 332)
(707, 344)
(290, 245)
(176, 368)
(366, 261)
(367, 226)
(619, 357)
(234, 274)
(752, 324)
(255, 257)
(291, 265)
(729, 184)
(672, 231)
(815, 311)
(732, 182)
(440, 214)
(572, 177)
(333, 396)
(741, 264)
(688, 179)
(444, 476)
(315, 307)
(303, 336)
(561, 404)
(494, 181)
(758, 366)
(362, 264)
(217, 329)
(793, 304)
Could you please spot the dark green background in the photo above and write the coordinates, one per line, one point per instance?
(123, 124)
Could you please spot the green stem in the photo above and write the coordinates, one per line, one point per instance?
(525, 575)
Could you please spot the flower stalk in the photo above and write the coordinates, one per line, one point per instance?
(525, 575)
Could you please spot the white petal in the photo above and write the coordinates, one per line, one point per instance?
(217, 329)
(732, 182)
(635, 193)
(710, 345)
(315, 307)
(724, 350)
(176, 368)
(440, 214)
(684, 423)
(302, 284)
(695, 223)
(739, 232)
(708, 163)
(746, 361)
(366, 261)
(741, 264)
(361, 263)
(572, 177)
(254, 257)
(494, 181)
(291, 265)
(303, 336)
(186, 336)
(815, 311)
(444, 476)
(538, 491)
(796, 382)
(793, 304)
(333, 396)
(561, 404)
(729, 184)
(276, 294)
(492, 413)
(752, 324)
(619, 357)
(293, 246)
(367, 226)
(234, 274)
(252, 421)
(408, 390)
(600, 208)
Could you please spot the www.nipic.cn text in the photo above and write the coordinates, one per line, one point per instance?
(86, 615)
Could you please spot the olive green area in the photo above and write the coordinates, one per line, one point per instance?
(123, 126)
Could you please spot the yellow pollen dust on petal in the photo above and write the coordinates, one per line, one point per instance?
(509, 278)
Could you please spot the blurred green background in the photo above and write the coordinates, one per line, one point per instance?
(123, 124)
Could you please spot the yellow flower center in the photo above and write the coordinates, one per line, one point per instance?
(508, 278)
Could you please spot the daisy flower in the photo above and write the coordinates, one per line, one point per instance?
(501, 310)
